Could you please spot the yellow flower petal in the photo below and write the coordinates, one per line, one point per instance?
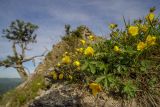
(94, 92)
(150, 16)
(151, 40)
(112, 26)
(54, 75)
(66, 59)
(89, 51)
(83, 42)
(76, 63)
(133, 30)
(80, 50)
(141, 46)
(116, 49)
(58, 65)
(144, 28)
(91, 37)
(61, 76)
(95, 88)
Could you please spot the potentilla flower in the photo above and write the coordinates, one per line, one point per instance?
(66, 59)
(91, 37)
(150, 16)
(96, 88)
(58, 65)
(144, 28)
(80, 50)
(83, 42)
(141, 46)
(54, 75)
(133, 30)
(116, 49)
(89, 51)
(65, 53)
(76, 63)
(151, 40)
(112, 26)
(61, 76)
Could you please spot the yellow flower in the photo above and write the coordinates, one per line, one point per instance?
(80, 50)
(91, 37)
(66, 59)
(70, 77)
(76, 63)
(83, 42)
(133, 30)
(61, 76)
(95, 88)
(150, 16)
(58, 65)
(39, 84)
(151, 40)
(116, 49)
(89, 51)
(54, 75)
(112, 26)
(141, 46)
(65, 53)
(144, 28)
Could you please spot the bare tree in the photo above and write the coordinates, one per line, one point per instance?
(20, 34)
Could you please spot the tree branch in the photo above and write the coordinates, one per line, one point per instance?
(23, 50)
(7, 65)
(31, 58)
(14, 49)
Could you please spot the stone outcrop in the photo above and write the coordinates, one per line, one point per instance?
(73, 95)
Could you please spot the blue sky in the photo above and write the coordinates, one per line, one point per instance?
(52, 15)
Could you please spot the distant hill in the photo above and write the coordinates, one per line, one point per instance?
(8, 83)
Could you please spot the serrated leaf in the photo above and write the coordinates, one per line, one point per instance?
(92, 68)
(119, 69)
(99, 79)
(106, 84)
(84, 66)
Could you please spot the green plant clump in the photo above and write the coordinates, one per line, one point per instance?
(125, 66)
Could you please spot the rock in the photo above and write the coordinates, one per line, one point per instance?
(72, 95)
(55, 99)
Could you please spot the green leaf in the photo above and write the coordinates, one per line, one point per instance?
(84, 66)
(99, 79)
(106, 83)
(119, 69)
(143, 69)
(145, 63)
(129, 89)
(92, 68)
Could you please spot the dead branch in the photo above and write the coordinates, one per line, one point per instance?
(31, 58)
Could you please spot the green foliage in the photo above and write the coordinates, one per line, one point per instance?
(20, 32)
(126, 66)
(128, 69)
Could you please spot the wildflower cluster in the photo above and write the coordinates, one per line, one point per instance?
(123, 65)
(69, 67)
(126, 66)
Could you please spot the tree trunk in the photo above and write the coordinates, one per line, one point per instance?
(22, 72)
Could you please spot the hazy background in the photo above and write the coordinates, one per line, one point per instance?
(52, 15)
